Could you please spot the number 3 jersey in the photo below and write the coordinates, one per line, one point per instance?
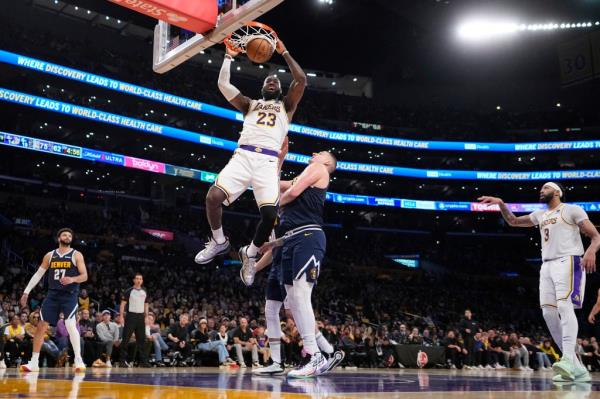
(560, 231)
(62, 266)
(265, 125)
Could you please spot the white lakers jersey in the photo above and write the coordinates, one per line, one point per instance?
(265, 125)
(559, 231)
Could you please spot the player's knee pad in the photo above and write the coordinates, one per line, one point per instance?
(549, 312)
(268, 214)
(272, 309)
(71, 326)
(565, 308)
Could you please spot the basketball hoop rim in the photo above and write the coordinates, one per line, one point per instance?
(253, 24)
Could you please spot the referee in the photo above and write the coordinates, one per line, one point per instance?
(134, 305)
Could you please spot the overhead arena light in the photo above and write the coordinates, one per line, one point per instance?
(483, 29)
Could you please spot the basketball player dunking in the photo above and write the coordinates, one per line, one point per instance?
(299, 251)
(255, 162)
(562, 276)
(67, 271)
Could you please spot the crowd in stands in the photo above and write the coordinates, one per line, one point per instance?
(204, 315)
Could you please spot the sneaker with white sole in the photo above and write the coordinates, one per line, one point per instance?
(211, 251)
(29, 367)
(581, 374)
(108, 364)
(2, 364)
(274, 369)
(310, 369)
(334, 360)
(565, 368)
(248, 270)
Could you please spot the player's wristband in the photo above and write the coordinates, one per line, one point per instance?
(284, 53)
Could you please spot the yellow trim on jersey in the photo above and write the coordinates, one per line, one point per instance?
(217, 185)
(572, 280)
(269, 203)
(564, 220)
(547, 304)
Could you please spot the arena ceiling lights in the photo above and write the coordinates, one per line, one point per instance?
(484, 29)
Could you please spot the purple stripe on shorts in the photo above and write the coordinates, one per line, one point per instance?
(576, 296)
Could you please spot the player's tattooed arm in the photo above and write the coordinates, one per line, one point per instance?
(296, 90)
(511, 219)
(589, 258)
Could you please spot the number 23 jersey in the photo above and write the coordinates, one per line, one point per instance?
(265, 125)
(560, 231)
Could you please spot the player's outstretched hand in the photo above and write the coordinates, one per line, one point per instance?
(280, 47)
(230, 52)
(592, 319)
(267, 246)
(490, 200)
(66, 280)
(589, 261)
(23, 301)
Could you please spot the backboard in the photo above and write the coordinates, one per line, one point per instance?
(174, 45)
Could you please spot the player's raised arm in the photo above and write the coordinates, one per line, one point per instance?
(296, 90)
(35, 279)
(309, 177)
(511, 219)
(229, 91)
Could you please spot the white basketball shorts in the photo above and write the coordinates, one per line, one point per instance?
(562, 279)
(250, 169)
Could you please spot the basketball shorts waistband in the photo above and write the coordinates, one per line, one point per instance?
(259, 150)
(302, 229)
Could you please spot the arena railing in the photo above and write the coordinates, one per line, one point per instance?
(346, 137)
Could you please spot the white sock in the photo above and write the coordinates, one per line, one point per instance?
(569, 324)
(552, 319)
(35, 358)
(218, 235)
(252, 250)
(300, 304)
(71, 326)
(272, 309)
(323, 344)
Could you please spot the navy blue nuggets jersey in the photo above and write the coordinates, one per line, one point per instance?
(307, 209)
(62, 266)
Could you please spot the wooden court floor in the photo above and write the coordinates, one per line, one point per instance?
(183, 383)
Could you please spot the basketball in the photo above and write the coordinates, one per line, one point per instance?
(259, 50)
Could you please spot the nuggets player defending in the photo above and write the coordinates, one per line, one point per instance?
(297, 263)
(562, 276)
(67, 271)
(255, 162)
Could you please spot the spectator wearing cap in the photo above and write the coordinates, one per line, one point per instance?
(108, 335)
(204, 342)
